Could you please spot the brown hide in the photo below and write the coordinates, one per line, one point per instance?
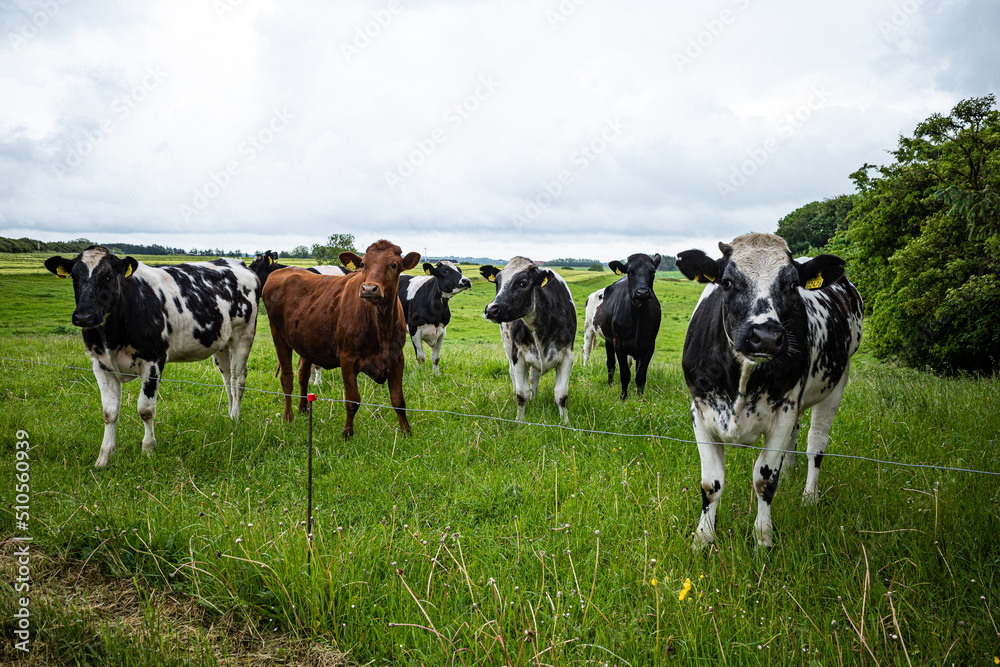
(327, 322)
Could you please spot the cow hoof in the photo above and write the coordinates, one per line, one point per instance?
(149, 448)
(702, 541)
(347, 433)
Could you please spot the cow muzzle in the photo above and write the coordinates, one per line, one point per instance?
(492, 313)
(640, 296)
(371, 292)
(87, 319)
(765, 340)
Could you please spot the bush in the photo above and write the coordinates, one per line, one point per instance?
(596, 266)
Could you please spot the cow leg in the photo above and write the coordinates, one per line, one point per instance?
(305, 370)
(522, 386)
(819, 438)
(317, 375)
(609, 348)
(111, 400)
(284, 354)
(239, 353)
(562, 386)
(352, 397)
(534, 375)
(624, 371)
(766, 472)
(150, 378)
(791, 460)
(223, 361)
(588, 342)
(641, 367)
(436, 351)
(418, 345)
(713, 481)
(396, 394)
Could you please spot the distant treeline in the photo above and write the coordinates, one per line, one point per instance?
(78, 245)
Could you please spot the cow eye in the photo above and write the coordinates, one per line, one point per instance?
(727, 283)
(394, 265)
(523, 284)
(794, 285)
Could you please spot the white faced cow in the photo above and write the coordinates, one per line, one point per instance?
(626, 315)
(135, 318)
(770, 338)
(537, 319)
(425, 306)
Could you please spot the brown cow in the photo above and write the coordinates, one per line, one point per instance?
(354, 322)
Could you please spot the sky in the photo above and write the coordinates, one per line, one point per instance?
(544, 128)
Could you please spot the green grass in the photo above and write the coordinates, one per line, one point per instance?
(478, 541)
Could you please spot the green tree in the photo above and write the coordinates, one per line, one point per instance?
(336, 244)
(923, 243)
(811, 227)
(596, 266)
(300, 251)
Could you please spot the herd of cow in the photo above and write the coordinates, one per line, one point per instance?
(771, 337)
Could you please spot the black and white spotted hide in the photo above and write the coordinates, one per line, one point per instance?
(135, 318)
(770, 338)
(537, 319)
(425, 306)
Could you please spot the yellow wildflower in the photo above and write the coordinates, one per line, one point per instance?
(685, 590)
(652, 582)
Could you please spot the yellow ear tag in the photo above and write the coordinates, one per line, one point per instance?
(349, 266)
(701, 278)
(545, 281)
(816, 282)
(61, 272)
(128, 271)
(427, 271)
(270, 260)
(492, 279)
(619, 272)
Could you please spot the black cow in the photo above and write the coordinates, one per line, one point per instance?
(770, 338)
(625, 314)
(537, 319)
(135, 318)
(425, 306)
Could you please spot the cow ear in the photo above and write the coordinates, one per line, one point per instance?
(619, 268)
(489, 272)
(128, 266)
(656, 261)
(697, 266)
(410, 260)
(820, 271)
(541, 277)
(427, 268)
(59, 266)
(350, 260)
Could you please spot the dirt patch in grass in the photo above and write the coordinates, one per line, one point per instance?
(80, 616)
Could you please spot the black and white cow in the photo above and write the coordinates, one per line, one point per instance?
(264, 264)
(135, 318)
(626, 315)
(769, 338)
(425, 306)
(537, 319)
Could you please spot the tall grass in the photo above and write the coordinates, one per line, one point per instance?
(478, 541)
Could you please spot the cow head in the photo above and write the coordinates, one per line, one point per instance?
(380, 269)
(516, 284)
(761, 286)
(450, 278)
(261, 264)
(641, 270)
(97, 282)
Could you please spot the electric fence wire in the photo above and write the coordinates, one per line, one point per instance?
(563, 427)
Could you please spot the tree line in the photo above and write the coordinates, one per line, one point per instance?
(921, 236)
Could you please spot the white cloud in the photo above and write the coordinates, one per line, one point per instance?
(89, 146)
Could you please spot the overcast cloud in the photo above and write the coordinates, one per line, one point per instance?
(582, 128)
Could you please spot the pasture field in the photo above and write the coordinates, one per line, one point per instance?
(478, 541)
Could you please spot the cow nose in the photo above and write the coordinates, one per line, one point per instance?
(642, 293)
(86, 319)
(766, 339)
(492, 312)
(369, 291)
(466, 283)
